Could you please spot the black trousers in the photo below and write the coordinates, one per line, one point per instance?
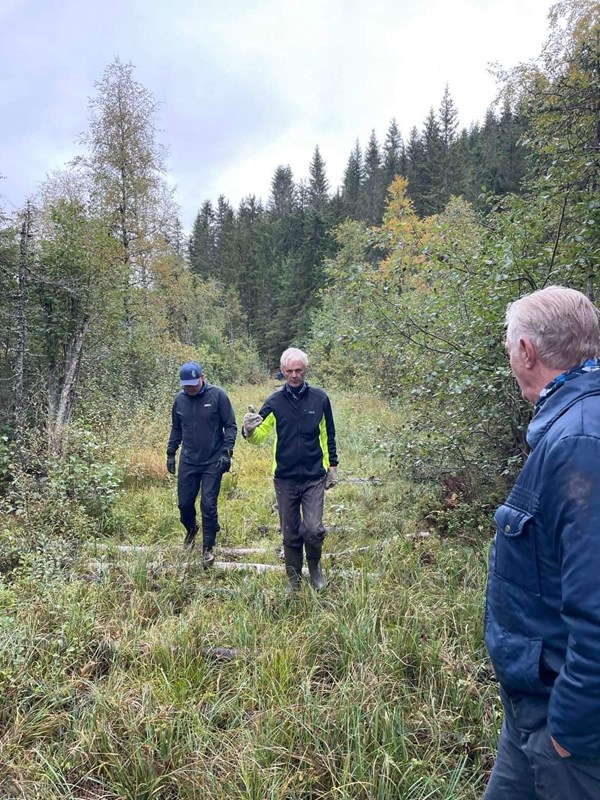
(191, 480)
(300, 507)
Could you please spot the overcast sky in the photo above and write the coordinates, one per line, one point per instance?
(246, 85)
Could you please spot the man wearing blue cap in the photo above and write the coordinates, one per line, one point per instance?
(203, 422)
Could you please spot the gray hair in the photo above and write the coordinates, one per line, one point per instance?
(561, 322)
(293, 354)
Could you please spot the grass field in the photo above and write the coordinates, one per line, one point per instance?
(136, 673)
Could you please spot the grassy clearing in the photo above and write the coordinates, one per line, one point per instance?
(378, 688)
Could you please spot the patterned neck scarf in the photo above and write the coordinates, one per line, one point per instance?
(591, 365)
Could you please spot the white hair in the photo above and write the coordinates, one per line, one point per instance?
(561, 322)
(293, 354)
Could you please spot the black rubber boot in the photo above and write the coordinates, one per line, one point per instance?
(293, 566)
(313, 559)
(190, 538)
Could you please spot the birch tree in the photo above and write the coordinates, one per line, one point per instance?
(126, 165)
(125, 168)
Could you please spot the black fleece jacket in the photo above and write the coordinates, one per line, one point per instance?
(304, 432)
(204, 424)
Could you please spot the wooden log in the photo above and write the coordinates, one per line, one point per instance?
(372, 480)
(276, 551)
(235, 566)
(248, 551)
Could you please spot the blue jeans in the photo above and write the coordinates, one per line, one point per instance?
(527, 765)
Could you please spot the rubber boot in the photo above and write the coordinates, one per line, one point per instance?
(190, 538)
(313, 559)
(293, 566)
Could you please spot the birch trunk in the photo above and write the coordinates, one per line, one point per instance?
(62, 413)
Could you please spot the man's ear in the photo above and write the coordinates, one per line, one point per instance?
(528, 351)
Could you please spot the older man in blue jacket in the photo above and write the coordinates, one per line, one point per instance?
(542, 625)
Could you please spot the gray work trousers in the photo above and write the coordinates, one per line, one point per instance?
(527, 765)
(300, 507)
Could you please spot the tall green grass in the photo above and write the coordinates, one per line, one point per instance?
(377, 688)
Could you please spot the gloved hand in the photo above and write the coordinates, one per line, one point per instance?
(171, 464)
(331, 478)
(224, 463)
(251, 421)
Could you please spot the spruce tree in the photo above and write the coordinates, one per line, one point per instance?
(254, 280)
(202, 245)
(318, 185)
(285, 237)
(352, 196)
(488, 171)
(448, 125)
(373, 184)
(415, 170)
(394, 157)
(282, 200)
(226, 261)
(512, 161)
(432, 199)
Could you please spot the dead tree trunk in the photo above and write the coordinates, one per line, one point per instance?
(20, 312)
(62, 413)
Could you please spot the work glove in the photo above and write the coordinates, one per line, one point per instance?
(331, 478)
(171, 464)
(251, 421)
(224, 463)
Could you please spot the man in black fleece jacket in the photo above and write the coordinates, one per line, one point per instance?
(203, 422)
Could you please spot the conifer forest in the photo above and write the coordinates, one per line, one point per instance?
(128, 670)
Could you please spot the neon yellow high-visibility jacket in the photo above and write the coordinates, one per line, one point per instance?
(304, 433)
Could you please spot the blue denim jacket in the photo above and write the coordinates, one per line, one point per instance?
(542, 625)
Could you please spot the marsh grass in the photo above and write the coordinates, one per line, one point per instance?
(378, 688)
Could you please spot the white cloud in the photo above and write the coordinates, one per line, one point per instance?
(246, 85)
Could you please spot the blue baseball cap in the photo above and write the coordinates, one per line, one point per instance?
(190, 373)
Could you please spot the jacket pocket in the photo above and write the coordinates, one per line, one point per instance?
(516, 552)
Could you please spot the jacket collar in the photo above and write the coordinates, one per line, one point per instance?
(557, 403)
(297, 394)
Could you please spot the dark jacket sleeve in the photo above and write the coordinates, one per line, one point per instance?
(330, 427)
(227, 415)
(175, 435)
(266, 408)
(572, 508)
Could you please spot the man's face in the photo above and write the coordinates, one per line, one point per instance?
(195, 388)
(294, 372)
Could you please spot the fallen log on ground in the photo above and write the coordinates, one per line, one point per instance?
(231, 566)
(373, 480)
